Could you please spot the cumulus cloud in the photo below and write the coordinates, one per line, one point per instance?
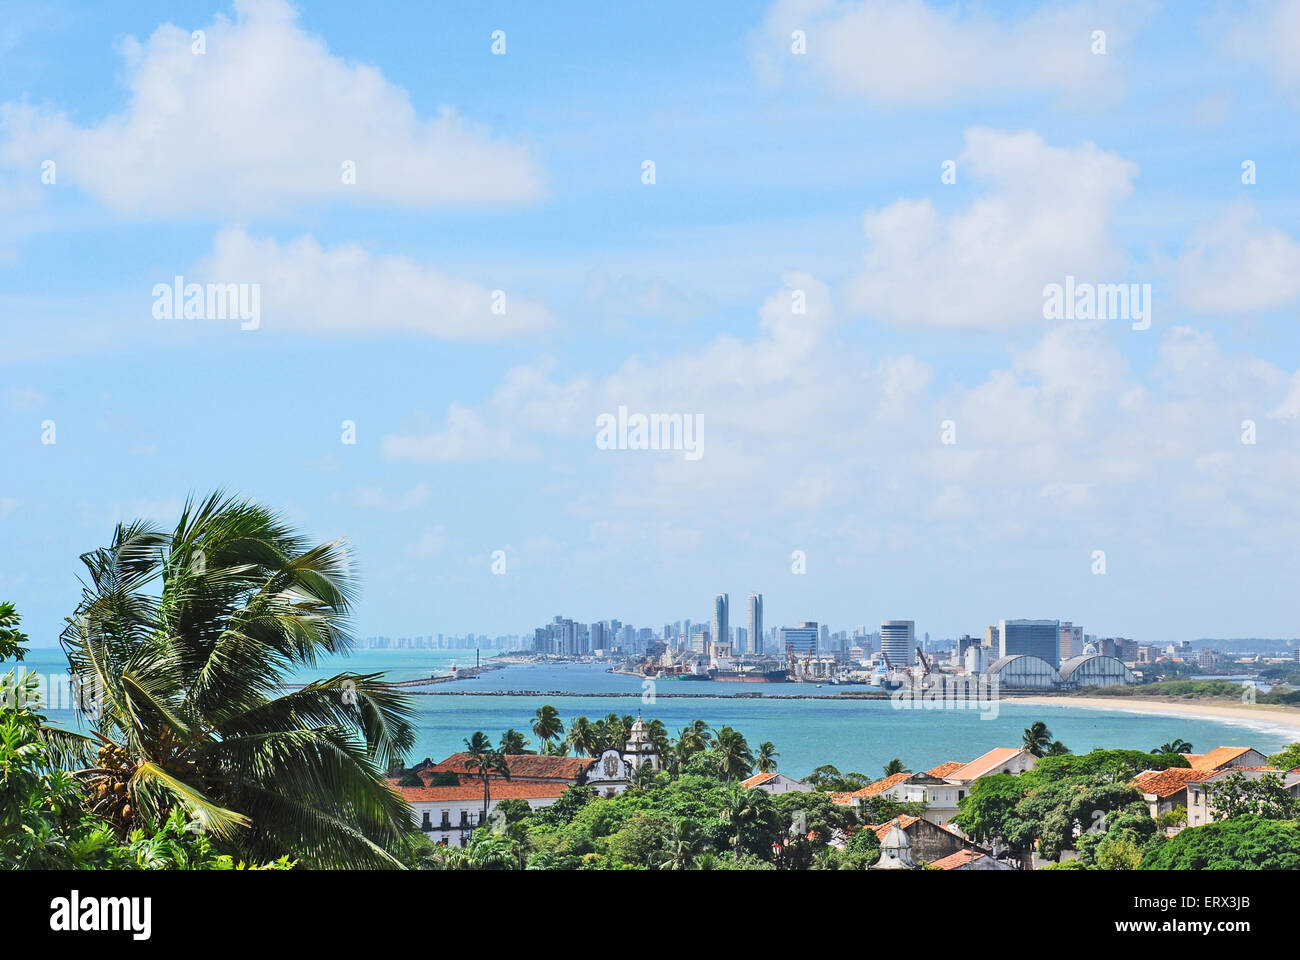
(1238, 265)
(1268, 35)
(347, 289)
(896, 52)
(1044, 214)
(1064, 437)
(263, 120)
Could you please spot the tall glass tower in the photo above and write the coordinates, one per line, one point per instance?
(721, 627)
(755, 623)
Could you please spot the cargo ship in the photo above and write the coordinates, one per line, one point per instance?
(764, 675)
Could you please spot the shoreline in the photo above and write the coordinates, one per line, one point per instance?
(1252, 715)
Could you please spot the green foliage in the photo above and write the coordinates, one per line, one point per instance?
(44, 823)
(410, 779)
(1241, 843)
(1237, 795)
(193, 712)
(1286, 759)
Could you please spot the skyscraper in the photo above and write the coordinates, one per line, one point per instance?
(755, 623)
(800, 639)
(721, 632)
(1038, 638)
(898, 642)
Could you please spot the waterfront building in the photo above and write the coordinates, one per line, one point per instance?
(756, 622)
(898, 642)
(1037, 638)
(799, 640)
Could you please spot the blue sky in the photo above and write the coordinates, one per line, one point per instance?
(776, 172)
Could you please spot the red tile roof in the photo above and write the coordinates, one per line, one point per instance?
(1165, 783)
(904, 821)
(985, 764)
(1216, 758)
(757, 779)
(959, 859)
(944, 769)
(497, 790)
(524, 766)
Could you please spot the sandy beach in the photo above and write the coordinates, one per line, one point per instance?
(1251, 714)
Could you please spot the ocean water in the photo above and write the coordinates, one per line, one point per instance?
(853, 735)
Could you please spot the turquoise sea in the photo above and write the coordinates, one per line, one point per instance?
(825, 728)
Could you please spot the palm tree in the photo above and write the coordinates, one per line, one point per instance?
(735, 759)
(767, 755)
(483, 762)
(694, 739)
(513, 743)
(1037, 738)
(658, 735)
(741, 808)
(1057, 749)
(582, 737)
(547, 726)
(1178, 746)
(895, 766)
(191, 709)
(681, 848)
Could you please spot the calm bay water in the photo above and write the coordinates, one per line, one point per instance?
(851, 734)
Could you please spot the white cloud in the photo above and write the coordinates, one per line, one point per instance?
(1268, 35)
(307, 287)
(894, 52)
(264, 120)
(1044, 215)
(1238, 265)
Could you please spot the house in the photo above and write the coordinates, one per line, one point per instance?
(1221, 757)
(1200, 799)
(775, 783)
(1163, 790)
(450, 814)
(998, 760)
(926, 841)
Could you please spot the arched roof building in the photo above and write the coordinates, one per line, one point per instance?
(1023, 671)
(1096, 671)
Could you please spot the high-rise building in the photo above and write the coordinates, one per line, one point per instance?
(721, 632)
(800, 639)
(742, 637)
(1037, 638)
(700, 638)
(1071, 640)
(756, 622)
(898, 642)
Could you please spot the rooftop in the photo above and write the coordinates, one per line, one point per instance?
(497, 790)
(525, 766)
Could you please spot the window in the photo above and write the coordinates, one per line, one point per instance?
(426, 825)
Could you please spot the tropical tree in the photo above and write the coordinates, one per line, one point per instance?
(742, 808)
(1038, 739)
(583, 737)
(190, 704)
(1178, 746)
(895, 766)
(547, 725)
(766, 758)
(681, 847)
(513, 743)
(735, 759)
(484, 763)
